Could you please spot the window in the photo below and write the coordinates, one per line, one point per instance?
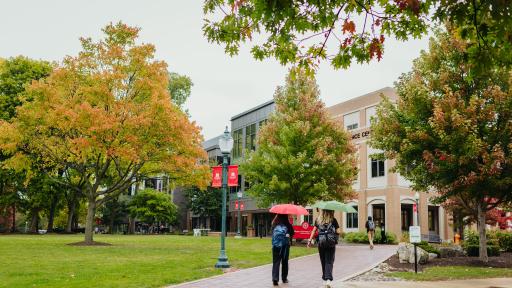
(371, 112)
(262, 122)
(377, 168)
(237, 143)
(351, 121)
(250, 137)
(309, 218)
(352, 221)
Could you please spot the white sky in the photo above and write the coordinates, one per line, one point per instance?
(223, 86)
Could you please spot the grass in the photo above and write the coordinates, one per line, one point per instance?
(453, 273)
(131, 261)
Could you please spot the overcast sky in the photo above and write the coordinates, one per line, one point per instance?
(223, 86)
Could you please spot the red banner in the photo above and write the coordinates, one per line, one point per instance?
(241, 205)
(233, 175)
(236, 204)
(217, 176)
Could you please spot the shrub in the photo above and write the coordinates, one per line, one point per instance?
(404, 237)
(505, 241)
(362, 237)
(429, 248)
(473, 250)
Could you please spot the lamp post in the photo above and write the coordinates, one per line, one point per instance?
(225, 145)
(417, 198)
(238, 235)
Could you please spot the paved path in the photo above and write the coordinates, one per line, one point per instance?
(304, 272)
(473, 283)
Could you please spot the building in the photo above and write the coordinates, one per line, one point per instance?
(256, 220)
(383, 195)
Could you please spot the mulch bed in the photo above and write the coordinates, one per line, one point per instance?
(503, 261)
(89, 244)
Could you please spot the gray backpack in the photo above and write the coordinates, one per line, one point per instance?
(371, 225)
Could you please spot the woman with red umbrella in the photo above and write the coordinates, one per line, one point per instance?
(282, 233)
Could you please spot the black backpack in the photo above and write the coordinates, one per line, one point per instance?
(327, 237)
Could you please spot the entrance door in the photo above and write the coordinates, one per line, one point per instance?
(406, 216)
(379, 214)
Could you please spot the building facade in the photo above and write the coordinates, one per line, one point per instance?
(385, 196)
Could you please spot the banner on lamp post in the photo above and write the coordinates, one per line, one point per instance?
(217, 176)
(236, 204)
(233, 175)
(241, 205)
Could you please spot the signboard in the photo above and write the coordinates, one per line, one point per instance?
(232, 175)
(303, 231)
(239, 194)
(414, 234)
(217, 176)
(361, 134)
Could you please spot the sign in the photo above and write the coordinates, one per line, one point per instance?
(302, 231)
(233, 175)
(414, 234)
(362, 134)
(239, 194)
(217, 176)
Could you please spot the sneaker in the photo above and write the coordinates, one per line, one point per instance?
(328, 284)
(275, 283)
(285, 280)
(324, 283)
(371, 247)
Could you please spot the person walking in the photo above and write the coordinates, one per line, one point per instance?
(282, 233)
(370, 230)
(328, 233)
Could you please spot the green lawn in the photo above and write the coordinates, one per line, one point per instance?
(453, 273)
(132, 261)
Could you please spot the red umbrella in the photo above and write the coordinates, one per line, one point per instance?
(289, 209)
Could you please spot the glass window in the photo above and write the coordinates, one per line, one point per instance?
(250, 137)
(371, 112)
(352, 221)
(377, 168)
(237, 143)
(351, 121)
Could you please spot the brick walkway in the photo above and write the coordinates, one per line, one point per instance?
(304, 272)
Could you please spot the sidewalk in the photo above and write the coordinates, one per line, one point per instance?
(473, 283)
(304, 272)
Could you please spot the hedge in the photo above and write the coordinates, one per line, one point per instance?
(474, 250)
(362, 237)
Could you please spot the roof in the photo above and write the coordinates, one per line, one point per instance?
(212, 143)
(253, 109)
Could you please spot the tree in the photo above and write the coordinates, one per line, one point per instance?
(340, 31)
(451, 130)
(15, 74)
(151, 206)
(179, 87)
(302, 154)
(206, 203)
(104, 116)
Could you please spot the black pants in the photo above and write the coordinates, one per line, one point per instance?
(280, 255)
(327, 259)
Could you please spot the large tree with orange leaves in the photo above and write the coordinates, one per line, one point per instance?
(104, 116)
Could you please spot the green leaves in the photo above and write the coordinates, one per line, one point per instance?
(302, 155)
(152, 206)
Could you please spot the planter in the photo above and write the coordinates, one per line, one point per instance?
(250, 232)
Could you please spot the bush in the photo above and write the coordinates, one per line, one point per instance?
(362, 237)
(429, 248)
(473, 250)
(505, 241)
(404, 237)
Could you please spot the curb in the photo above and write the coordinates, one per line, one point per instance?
(361, 271)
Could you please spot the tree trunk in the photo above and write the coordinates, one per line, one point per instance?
(51, 215)
(483, 238)
(89, 221)
(13, 228)
(131, 225)
(71, 216)
(34, 221)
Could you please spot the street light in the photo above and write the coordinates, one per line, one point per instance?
(238, 235)
(417, 199)
(225, 145)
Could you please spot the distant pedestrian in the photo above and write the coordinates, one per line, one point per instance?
(370, 230)
(328, 233)
(282, 233)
